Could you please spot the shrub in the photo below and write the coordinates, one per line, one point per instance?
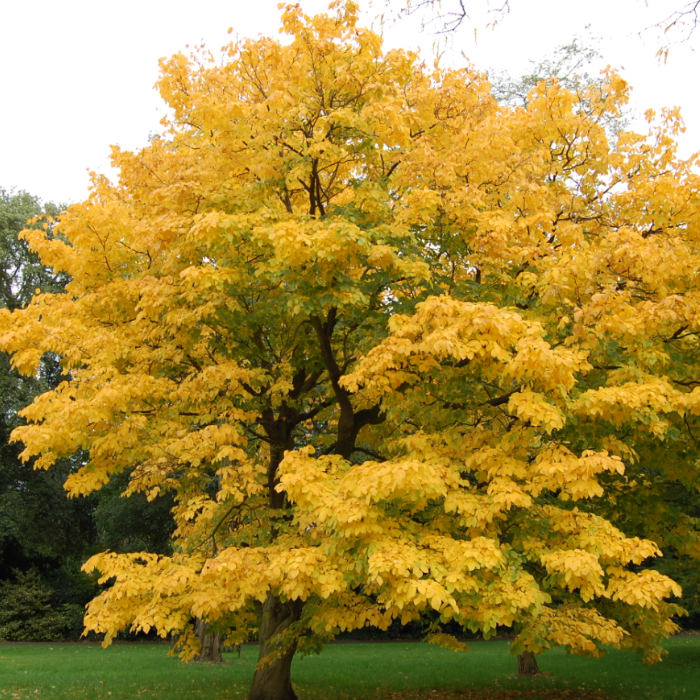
(26, 614)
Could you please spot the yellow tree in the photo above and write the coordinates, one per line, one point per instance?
(336, 309)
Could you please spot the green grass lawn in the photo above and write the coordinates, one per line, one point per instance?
(396, 671)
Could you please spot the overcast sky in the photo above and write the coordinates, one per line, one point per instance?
(78, 75)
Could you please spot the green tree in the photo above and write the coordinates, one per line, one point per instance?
(21, 271)
(37, 521)
(42, 531)
(133, 524)
(43, 534)
(26, 612)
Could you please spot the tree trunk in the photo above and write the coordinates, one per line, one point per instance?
(273, 680)
(211, 644)
(527, 664)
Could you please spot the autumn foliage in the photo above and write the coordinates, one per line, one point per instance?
(400, 352)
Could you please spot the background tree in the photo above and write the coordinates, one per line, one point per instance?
(133, 524)
(26, 612)
(41, 531)
(337, 310)
(576, 66)
(21, 271)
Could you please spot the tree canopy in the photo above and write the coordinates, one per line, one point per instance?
(398, 351)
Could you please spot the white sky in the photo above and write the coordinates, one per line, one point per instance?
(78, 75)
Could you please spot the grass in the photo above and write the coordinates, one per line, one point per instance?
(396, 671)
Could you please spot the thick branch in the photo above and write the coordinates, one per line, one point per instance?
(497, 401)
(279, 429)
(500, 400)
(349, 422)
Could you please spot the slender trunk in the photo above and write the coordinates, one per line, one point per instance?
(211, 643)
(527, 664)
(272, 680)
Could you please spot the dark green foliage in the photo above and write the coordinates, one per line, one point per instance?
(26, 613)
(35, 514)
(39, 526)
(686, 572)
(21, 273)
(43, 533)
(44, 536)
(132, 524)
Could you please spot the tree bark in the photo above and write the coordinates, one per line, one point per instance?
(527, 664)
(211, 644)
(273, 680)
